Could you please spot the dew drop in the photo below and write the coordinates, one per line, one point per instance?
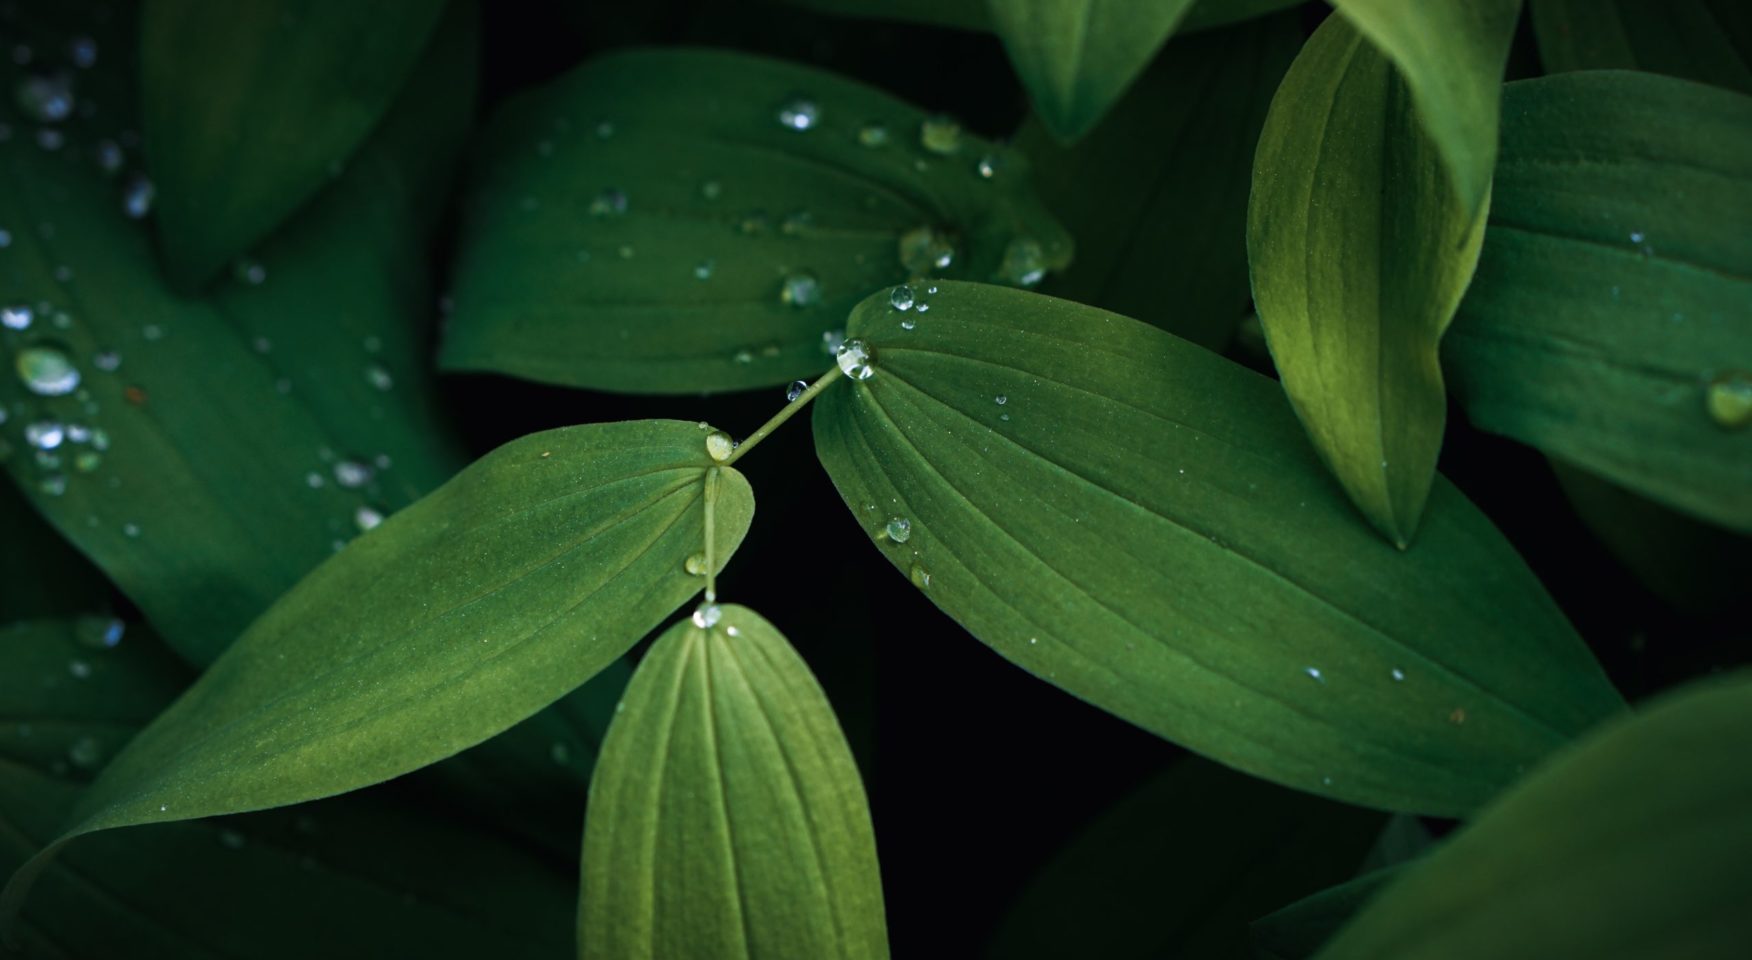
(898, 529)
(131, 531)
(367, 517)
(707, 615)
(560, 754)
(378, 377)
(908, 324)
(988, 166)
(919, 576)
(1315, 674)
(98, 633)
(799, 113)
(801, 289)
(352, 474)
(46, 99)
(831, 341)
(901, 297)
(1729, 400)
(1398, 675)
(250, 271)
(52, 485)
(796, 389)
(719, 445)
(79, 669)
(609, 203)
(703, 269)
(45, 434)
(711, 189)
(1024, 262)
(924, 249)
(85, 753)
(87, 461)
(46, 370)
(695, 564)
(1000, 399)
(110, 157)
(856, 360)
(940, 134)
(137, 197)
(17, 317)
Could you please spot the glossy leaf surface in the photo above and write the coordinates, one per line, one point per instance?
(680, 221)
(1706, 40)
(726, 818)
(1607, 324)
(248, 109)
(1141, 523)
(509, 586)
(1634, 843)
(1360, 250)
(1452, 54)
(1157, 195)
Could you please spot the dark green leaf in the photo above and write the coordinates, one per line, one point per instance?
(975, 15)
(40, 574)
(1452, 54)
(1076, 57)
(1360, 250)
(1635, 843)
(506, 588)
(648, 224)
(224, 447)
(1706, 40)
(1609, 311)
(249, 108)
(726, 818)
(1178, 869)
(1297, 931)
(1206, 14)
(1157, 195)
(1141, 523)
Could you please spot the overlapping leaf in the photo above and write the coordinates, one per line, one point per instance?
(1157, 195)
(1360, 250)
(681, 221)
(512, 584)
(1607, 323)
(248, 109)
(1635, 843)
(976, 14)
(1141, 523)
(1707, 40)
(1297, 931)
(207, 453)
(1451, 54)
(726, 818)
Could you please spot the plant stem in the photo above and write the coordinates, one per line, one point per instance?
(833, 373)
(711, 496)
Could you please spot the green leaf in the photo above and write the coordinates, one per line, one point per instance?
(1360, 252)
(1206, 14)
(40, 575)
(1077, 57)
(975, 15)
(506, 588)
(1452, 54)
(1138, 883)
(1157, 195)
(248, 109)
(1609, 308)
(727, 818)
(1297, 931)
(1704, 40)
(1634, 843)
(739, 240)
(1140, 522)
(225, 446)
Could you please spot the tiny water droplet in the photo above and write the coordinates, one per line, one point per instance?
(79, 669)
(138, 195)
(378, 377)
(1000, 399)
(1636, 236)
(367, 517)
(87, 461)
(901, 297)
(711, 189)
(707, 615)
(52, 485)
(919, 576)
(831, 341)
(703, 269)
(799, 113)
(352, 474)
(1729, 399)
(1024, 262)
(45, 434)
(46, 99)
(796, 389)
(559, 753)
(17, 317)
(801, 289)
(940, 134)
(873, 135)
(152, 331)
(898, 529)
(1314, 672)
(85, 753)
(856, 360)
(719, 445)
(250, 272)
(924, 249)
(98, 633)
(988, 166)
(131, 531)
(1398, 675)
(110, 157)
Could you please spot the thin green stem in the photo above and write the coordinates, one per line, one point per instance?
(790, 409)
(711, 536)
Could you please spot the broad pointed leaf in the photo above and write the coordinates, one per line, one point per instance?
(1140, 522)
(1706, 40)
(1360, 251)
(1297, 931)
(248, 109)
(1608, 324)
(492, 597)
(1452, 54)
(1634, 843)
(206, 454)
(1179, 867)
(681, 221)
(1077, 57)
(1157, 195)
(726, 818)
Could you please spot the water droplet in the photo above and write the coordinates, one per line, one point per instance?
(924, 249)
(898, 529)
(52, 485)
(45, 434)
(85, 753)
(988, 166)
(711, 189)
(856, 360)
(352, 474)
(367, 517)
(108, 361)
(901, 297)
(1636, 236)
(743, 356)
(919, 576)
(79, 669)
(17, 317)
(695, 564)
(707, 615)
(609, 203)
(110, 157)
(719, 445)
(229, 839)
(378, 377)
(801, 289)
(873, 135)
(138, 195)
(46, 99)
(559, 753)
(1729, 399)
(1314, 672)
(1000, 399)
(940, 134)
(82, 50)
(98, 633)
(703, 269)
(796, 389)
(152, 331)
(46, 370)
(131, 531)
(250, 272)
(799, 113)
(5, 239)
(1398, 675)
(87, 461)
(908, 324)
(1024, 262)
(831, 341)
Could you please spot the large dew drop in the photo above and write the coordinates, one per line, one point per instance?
(1024, 262)
(901, 297)
(856, 360)
(923, 250)
(719, 445)
(898, 529)
(940, 134)
(46, 371)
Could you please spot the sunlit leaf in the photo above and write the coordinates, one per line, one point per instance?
(1360, 250)
(681, 221)
(1634, 843)
(727, 818)
(1141, 523)
(487, 600)
(1607, 324)
(248, 109)
(1707, 40)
